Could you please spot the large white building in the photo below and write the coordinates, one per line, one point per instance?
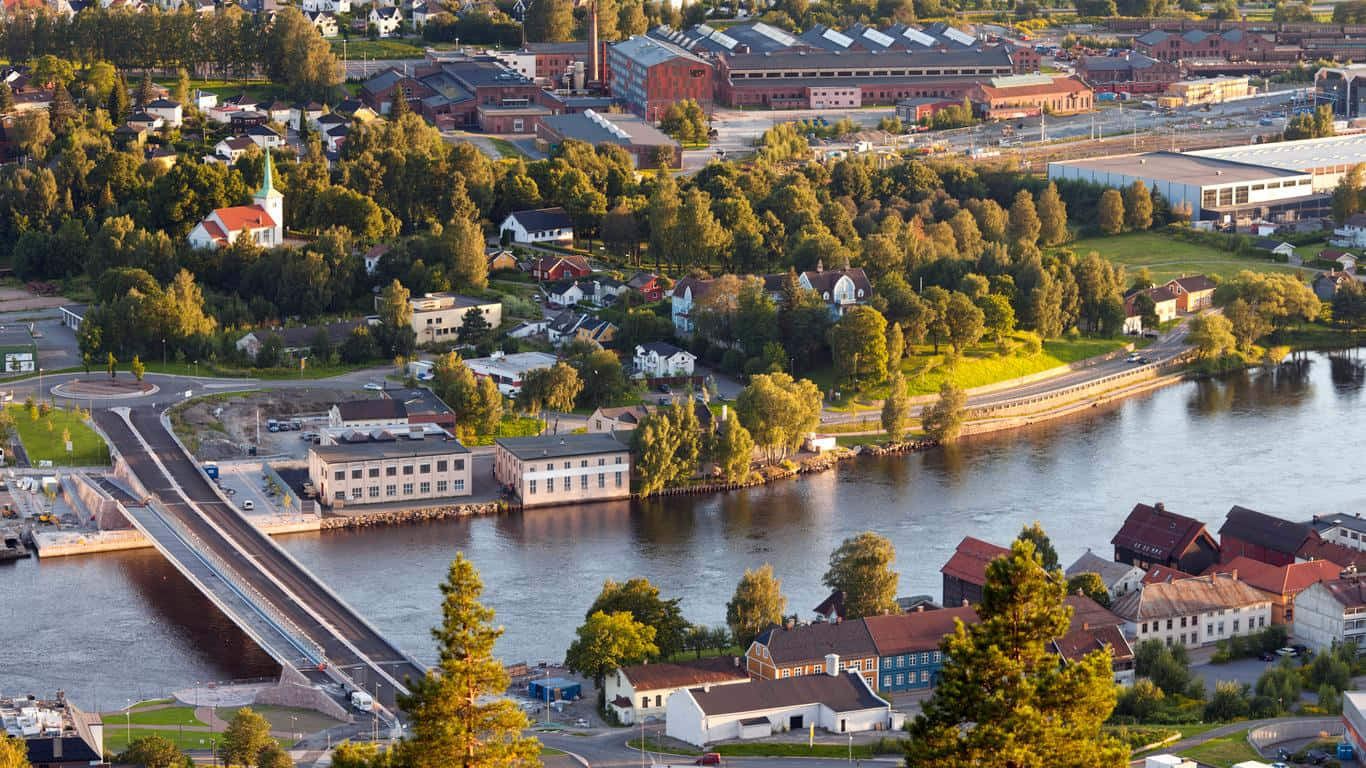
(1216, 190)
(1193, 612)
(641, 691)
(507, 370)
(263, 221)
(1331, 612)
(660, 359)
(439, 316)
(387, 472)
(1327, 159)
(835, 701)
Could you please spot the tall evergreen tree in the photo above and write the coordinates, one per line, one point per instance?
(1002, 698)
(146, 91)
(62, 111)
(117, 104)
(6, 98)
(459, 717)
(1052, 216)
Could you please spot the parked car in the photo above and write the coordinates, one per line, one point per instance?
(248, 505)
(710, 758)
(664, 389)
(1315, 757)
(374, 386)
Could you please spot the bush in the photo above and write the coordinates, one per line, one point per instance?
(1137, 736)
(1229, 702)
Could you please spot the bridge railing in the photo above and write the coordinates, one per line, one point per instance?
(310, 649)
(1148, 370)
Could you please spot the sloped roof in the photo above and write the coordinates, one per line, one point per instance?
(809, 644)
(699, 287)
(1059, 85)
(1158, 574)
(543, 219)
(1187, 597)
(1264, 530)
(654, 677)
(916, 631)
(353, 410)
(1285, 580)
(969, 560)
(631, 414)
(1351, 593)
(1157, 532)
(842, 693)
(824, 281)
(1195, 283)
(1086, 611)
(240, 217)
(1108, 570)
(662, 348)
(1077, 644)
(1318, 549)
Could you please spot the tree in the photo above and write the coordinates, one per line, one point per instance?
(154, 751)
(550, 21)
(641, 599)
(273, 755)
(733, 450)
(684, 120)
(778, 410)
(137, 368)
(117, 103)
(895, 407)
(1110, 212)
(362, 754)
(1091, 585)
(297, 54)
(1052, 214)
(1003, 698)
(555, 388)
(943, 420)
(1212, 336)
(964, 320)
(459, 715)
(13, 752)
(1024, 225)
(858, 344)
(110, 363)
(998, 316)
(757, 605)
(1146, 309)
(474, 327)
(606, 642)
(6, 98)
(1347, 198)
(1043, 547)
(246, 735)
(655, 444)
(1138, 206)
(861, 568)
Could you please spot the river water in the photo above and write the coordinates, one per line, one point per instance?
(108, 628)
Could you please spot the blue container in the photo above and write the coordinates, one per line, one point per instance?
(1346, 752)
(211, 469)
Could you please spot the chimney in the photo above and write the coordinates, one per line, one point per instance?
(706, 687)
(920, 608)
(790, 623)
(593, 45)
(1086, 626)
(1160, 507)
(832, 664)
(1235, 574)
(965, 602)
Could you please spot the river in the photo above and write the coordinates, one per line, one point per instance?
(108, 628)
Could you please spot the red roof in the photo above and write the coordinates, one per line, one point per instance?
(1059, 85)
(655, 677)
(915, 631)
(1286, 580)
(1318, 549)
(1157, 533)
(969, 561)
(240, 217)
(1159, 574)
(214, 230)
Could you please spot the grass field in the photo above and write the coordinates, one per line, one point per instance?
(116, 736)
(1223, 752)
(284, 719)
(1167, 257)
(511, 426)
(925, 373)
(505, 147)
(88, 450)
(211, 370)
(379, 49)
(168, 716)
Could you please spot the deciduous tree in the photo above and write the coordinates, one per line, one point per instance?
(246, 735)
(1212, 336)
(1138, 206)
(1091, 585)
(642, 601)
(13, 752)
(943, 420)
(1043, 546)
(758, 604)
(861, 568)
(733, 450)
(778, 410)
(1024, 225)
(608, 641)
(858, 344)
(895, 406)
(1110, 212)
(1052, 214)
(153, 751)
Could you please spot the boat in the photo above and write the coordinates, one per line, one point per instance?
(12, 548)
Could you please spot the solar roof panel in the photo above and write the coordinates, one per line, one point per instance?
(838, 38)
(776, 35)
(881, 39)
(918, 37)
(959, 36)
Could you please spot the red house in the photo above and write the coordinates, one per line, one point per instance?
(567, 267)
(647, 286)
(1152, 535)
(1248, 533)
(966, 572)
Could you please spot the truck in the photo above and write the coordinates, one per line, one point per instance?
(362, 701)
(211, 469)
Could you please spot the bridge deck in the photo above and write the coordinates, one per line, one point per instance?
(287, 588)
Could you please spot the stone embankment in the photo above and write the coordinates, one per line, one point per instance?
(416, 515)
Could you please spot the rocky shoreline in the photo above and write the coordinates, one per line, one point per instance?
(418, 515)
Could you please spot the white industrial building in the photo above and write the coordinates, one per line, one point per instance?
(837, 702)
(1331, 612)
(1220, 191)
(1327, 159)
(507, 370)
(641, 691)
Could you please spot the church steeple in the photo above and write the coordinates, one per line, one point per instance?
(272, 201)
(268, 189)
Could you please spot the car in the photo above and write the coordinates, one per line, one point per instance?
(1266, 656)
(664, 401)
(1143, 361)
(1300, 649)
(710, 758)
(1315, 757)
(248, 505)
(1150, 334)
(1286, 652)
(664, 389)
(1133, 357)
(1280, 765)
(374, 386)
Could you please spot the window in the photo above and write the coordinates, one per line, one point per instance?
(407, 469)
(1169, 623)
(549, 467)
(659, 700)
(391, 490)
(355, 474)
(339, 495)
(531, 487)
(566, 464)
(787, 673)
(900, 679)
(644, 702)
(390, 471)
(340, 475)
(1183, 622)
(407, 489)
(459, 465)
(459, 485)
(618, 479)
(1144, 628)
(1235, 626)
(441, 486)
(567, 482)
(424, 487)
(602, 480)
(583, 482)
(441, 465)
(355, 493)
(924, 676)
(425, 469)
(886, 681)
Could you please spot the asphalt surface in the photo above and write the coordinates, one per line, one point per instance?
(609, 750)
(276, 578)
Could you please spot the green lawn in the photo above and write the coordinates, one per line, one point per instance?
(379, 49)
(116, 736)
(511, 426)
(1223, 752)
(211, 370)
(284, 719)
(167, 716)
(88, 450)
(1167, 257)
(505, 147)
(979, 366)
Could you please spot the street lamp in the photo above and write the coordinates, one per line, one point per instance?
(128, 721)
(163, 352)
(851, 748)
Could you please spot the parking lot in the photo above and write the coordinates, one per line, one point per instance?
(244, 482)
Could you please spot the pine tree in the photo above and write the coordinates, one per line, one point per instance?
(1002, 698)
(398, 105)
(62, 111)
(1052, 216)
(6, 98)
(146, 91)
(458, 715)
(118, 101)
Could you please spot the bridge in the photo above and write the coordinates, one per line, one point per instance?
(278, 603)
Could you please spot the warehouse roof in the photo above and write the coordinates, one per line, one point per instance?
(1302, 155)
(401, 448)
(647, 51)
(989, 57)
(555, 446)
(597, 128)
(1179, 168)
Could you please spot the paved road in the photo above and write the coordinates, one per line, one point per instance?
(609, 750)
(277, 579)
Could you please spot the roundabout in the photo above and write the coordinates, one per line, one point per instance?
(104, 389)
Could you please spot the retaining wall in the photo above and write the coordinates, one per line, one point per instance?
(58, 544)
(1289, 730)
(1020, 381)
(417, 515)
(294, 690)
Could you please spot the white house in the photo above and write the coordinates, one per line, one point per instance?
(325, 6)
(1331, 612)
(336, 137)
(840, 288)
(1352, 233)
(386, 20)
(1196, 611)
(145, 121)
(659, 359)
(306, 114)
(544, 225)
(205, 100)
(565, 294)
(642, 691)
(231, 149)
(265, 137)
(170, 112)
(420, 12)
(1278, 247)
(507, 370)
(686, 292)
(837, 702)
(325, 23)
(263, 220)
(1119, 579)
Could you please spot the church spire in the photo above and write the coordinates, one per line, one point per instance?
(268, 182)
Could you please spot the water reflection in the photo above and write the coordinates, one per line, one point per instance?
(1348, 373)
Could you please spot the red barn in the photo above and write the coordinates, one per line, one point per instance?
(647, 285)
(1248, 533)
(567, 267)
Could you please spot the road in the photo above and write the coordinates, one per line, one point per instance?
(346, 639)
(609, 750)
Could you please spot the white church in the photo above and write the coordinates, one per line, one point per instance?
(263, 221)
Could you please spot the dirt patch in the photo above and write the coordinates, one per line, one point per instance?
(225, 426)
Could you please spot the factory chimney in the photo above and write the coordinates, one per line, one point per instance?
(593, 45)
